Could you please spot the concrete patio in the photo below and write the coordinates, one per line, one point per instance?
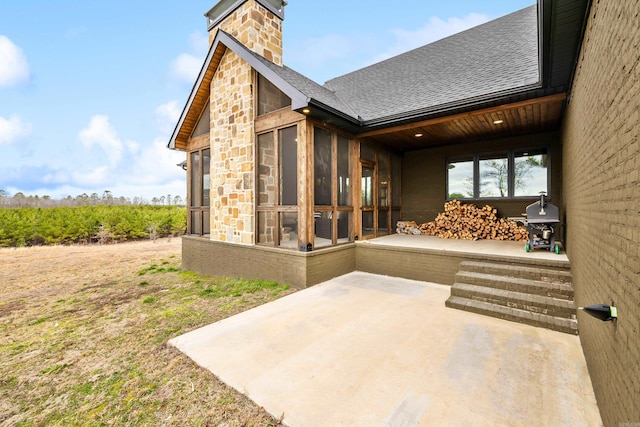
(371, 350)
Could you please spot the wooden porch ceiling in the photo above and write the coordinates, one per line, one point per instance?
(529, 116)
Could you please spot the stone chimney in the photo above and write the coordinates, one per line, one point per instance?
(257, 24)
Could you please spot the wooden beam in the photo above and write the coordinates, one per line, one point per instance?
(278, 118)
(520, 104)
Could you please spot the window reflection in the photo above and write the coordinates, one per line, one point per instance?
(460, 179)
(530, 173)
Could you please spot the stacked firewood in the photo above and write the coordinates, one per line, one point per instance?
(407, 227)
(469, 222)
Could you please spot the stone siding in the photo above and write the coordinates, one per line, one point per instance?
(256, 28)
(601, 145)
(232, 165)
(232, 122)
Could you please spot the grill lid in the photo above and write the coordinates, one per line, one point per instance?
(537, 214)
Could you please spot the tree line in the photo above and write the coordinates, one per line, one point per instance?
(31, 226)
(20, 200)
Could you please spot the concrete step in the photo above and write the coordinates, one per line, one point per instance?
(555, 289)
(543, 273)
(557, 307)
(569, 326)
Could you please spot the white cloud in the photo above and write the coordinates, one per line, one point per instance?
(96, 177)
(13, 128)
(434, 29)
(155, 164)
(185, 68)
(101, 133)
(132, 146)
(125, 167)
(167, 116)
(148, 166)
(56, 177)
(14, 68)
(147, 169)
(199, 42)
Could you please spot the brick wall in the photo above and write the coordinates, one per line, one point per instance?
(297, 269)
(431, 265)
(601, 147)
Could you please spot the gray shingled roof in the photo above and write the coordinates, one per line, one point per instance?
(489, 60)
(498, 56)
(308, 87)
(493, 57)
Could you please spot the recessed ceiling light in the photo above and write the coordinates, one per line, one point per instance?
(497, 122)
(306, 110)
(419, 135)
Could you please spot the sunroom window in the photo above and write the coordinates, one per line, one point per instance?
(199, 192)
(270, 98)
(332, 182)
(277, 216)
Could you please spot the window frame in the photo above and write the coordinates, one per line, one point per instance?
(201, 209)
(510, 154)
(264, 108)
(277, 208)
(370, 157)
(333, 211)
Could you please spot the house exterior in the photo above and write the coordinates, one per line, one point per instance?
(286, 176)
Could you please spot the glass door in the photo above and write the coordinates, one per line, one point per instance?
(381, 202)
(199, 192)
(368, 203)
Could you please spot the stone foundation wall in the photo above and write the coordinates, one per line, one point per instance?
(601, 140)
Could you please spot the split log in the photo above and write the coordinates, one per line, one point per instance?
(469, 222)
(407, 227)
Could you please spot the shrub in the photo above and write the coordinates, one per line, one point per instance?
(84, 224)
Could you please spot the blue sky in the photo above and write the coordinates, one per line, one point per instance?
(90, 91)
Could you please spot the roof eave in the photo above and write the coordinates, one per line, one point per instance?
(194, 90)
(522, 92)
(298, 99)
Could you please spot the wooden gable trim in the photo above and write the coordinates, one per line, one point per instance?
(200, 92)
(197, 99)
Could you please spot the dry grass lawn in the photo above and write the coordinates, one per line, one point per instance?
(83, 332)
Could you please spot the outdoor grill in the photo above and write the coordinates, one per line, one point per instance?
(542, 218)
